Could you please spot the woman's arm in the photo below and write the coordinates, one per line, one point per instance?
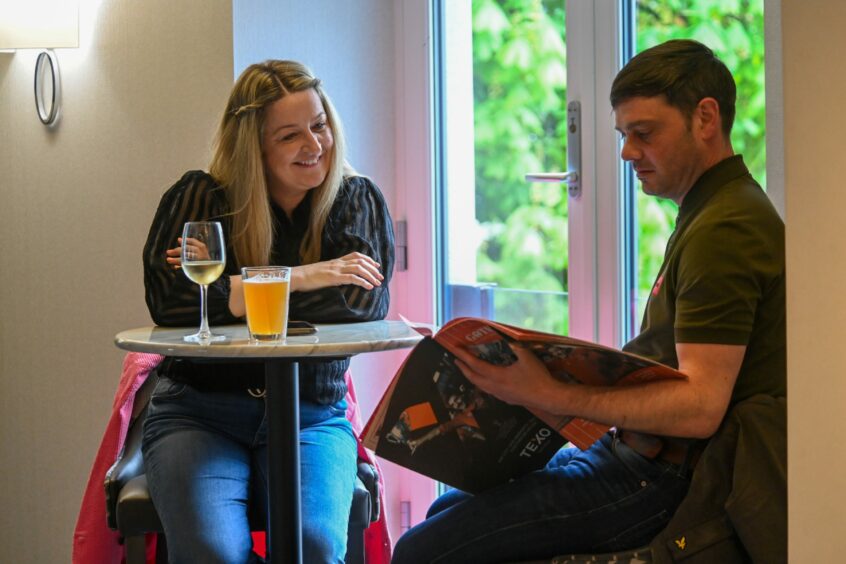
(172, 298)
(358, 243)
(354, 268)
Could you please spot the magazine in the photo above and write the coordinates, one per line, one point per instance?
(434, 421)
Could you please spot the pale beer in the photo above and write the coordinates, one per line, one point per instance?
(266, 293)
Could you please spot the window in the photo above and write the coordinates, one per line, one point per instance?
(524, 253)
(483, 116)
(503, 73)
(735, 31)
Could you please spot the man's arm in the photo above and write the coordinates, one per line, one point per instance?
(691, 407)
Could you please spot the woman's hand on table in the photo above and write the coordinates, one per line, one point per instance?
(354, 268)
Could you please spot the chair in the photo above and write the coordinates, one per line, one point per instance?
(130, 510)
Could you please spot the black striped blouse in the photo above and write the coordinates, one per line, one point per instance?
(358, 221)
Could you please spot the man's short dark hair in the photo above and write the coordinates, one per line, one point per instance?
(684, 72)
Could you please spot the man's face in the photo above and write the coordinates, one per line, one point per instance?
(661, 145)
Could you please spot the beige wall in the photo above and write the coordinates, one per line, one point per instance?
(814, 124)
(142, 96)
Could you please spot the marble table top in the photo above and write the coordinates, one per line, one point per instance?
(330, 340)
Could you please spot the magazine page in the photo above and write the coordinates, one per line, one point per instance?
(568, 359)
(371, 433)
(434, 421)
(438, 424)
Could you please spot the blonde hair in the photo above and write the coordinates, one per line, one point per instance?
(238, 166)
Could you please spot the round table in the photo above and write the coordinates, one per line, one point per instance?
(284, 534)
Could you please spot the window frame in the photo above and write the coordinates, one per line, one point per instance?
(593, 60)
(596, 310)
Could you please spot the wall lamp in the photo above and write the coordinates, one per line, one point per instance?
(45, 25)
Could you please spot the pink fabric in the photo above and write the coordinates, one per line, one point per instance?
(95, 543)
(377, 538)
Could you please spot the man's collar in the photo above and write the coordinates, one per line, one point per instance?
(711, 181)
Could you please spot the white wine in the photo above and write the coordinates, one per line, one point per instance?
(203, 261)
(203, 271)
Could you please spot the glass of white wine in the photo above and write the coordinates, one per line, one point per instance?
(203, 261)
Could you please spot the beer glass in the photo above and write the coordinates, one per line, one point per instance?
(266, 290)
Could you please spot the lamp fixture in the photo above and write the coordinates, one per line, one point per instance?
(41, 24)
(48, 89)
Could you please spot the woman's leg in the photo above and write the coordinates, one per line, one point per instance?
(328, 455)
(607, 498)
(198, 471)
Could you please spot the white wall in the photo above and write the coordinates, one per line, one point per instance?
(142, 96)
(814, 122)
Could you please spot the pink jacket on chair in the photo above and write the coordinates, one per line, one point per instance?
(95, 543)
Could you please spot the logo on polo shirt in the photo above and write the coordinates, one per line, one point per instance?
(657, 287)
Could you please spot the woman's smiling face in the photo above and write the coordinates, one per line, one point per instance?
(297, 146)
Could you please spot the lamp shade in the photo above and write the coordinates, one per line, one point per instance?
(39, 24)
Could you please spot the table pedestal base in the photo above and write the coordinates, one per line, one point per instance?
(284, 535)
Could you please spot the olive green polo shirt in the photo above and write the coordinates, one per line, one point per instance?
(722, 280)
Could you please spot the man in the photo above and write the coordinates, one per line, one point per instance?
(716, 311)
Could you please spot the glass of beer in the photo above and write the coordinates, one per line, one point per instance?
(266, 290)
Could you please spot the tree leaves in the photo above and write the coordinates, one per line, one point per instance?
(734, 29)
(519, 77)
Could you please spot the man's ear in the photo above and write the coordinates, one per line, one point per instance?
(708, 117)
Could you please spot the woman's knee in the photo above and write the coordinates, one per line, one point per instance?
(325, 543)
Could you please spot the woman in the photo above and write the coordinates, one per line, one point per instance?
(279, 183)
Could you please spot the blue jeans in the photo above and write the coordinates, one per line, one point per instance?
(605, 499)
(205, 455)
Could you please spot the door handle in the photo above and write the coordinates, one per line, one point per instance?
(574, 155)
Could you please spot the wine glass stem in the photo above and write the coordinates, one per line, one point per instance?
(204, 332)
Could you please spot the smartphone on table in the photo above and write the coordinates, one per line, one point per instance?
(300, 328)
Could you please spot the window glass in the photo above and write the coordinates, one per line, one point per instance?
(735, 31)
(505, 239)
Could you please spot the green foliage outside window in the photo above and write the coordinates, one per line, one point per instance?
(519, 81)
(519, 90)
(734, 29)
